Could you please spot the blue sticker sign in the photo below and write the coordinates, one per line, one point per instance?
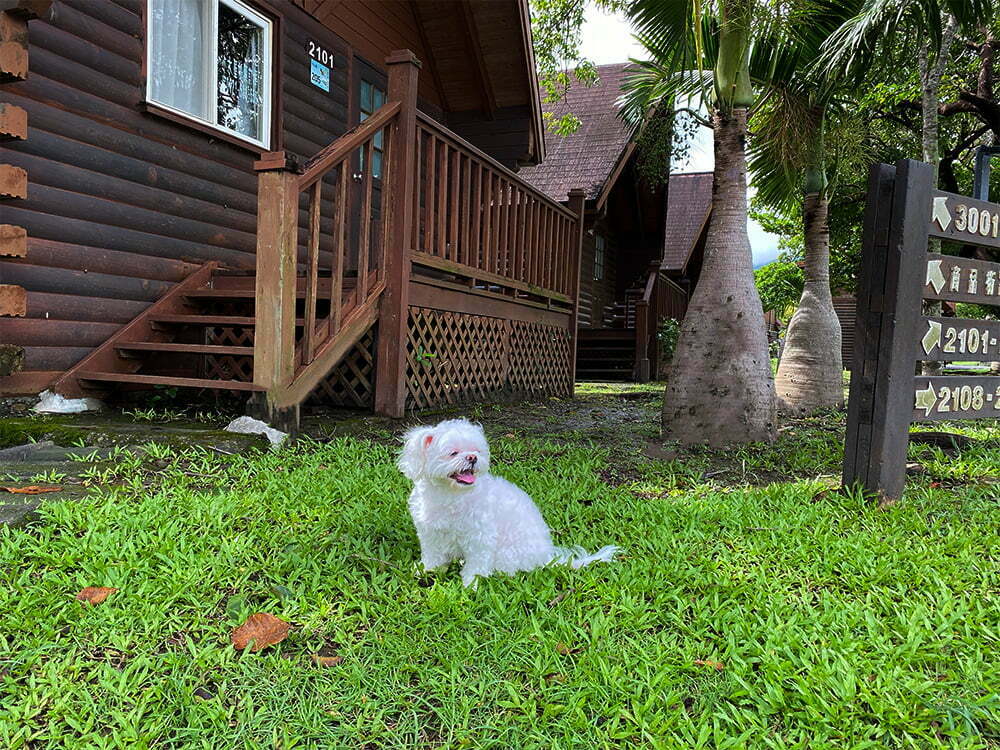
(319, 75)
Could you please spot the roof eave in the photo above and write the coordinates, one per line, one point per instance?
(537, 125)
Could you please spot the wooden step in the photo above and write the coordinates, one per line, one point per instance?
(124, 377)
(160, 346)
(210, 320)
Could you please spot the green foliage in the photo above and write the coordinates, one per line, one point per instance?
(837, 623)
(556, 27)
(976, 312)
(780, 287)
(667, 332)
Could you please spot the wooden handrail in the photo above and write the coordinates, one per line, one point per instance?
(329, 155)
(459, 143)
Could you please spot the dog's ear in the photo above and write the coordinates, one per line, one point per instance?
(414, 454)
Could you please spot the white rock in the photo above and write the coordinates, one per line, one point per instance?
(53, 403)
(251, 426)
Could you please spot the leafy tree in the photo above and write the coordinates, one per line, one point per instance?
(780, 286)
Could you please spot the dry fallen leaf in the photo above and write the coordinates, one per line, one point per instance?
(326, 661)
(563, 650)
(718, 666)
(94, 594)
(262, 630)
(31, 490)
(560, 596)
(555, 677)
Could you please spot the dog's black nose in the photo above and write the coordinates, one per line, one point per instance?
(471, 459)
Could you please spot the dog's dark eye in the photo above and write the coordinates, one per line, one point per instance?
(454, 453)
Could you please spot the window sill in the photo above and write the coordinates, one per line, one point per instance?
(216, 133)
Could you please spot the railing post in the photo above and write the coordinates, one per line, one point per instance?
(577, 204)
(277, 250)
(390, 377)
(641, 371)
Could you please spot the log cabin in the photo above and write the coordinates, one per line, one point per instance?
(623, 289)
(299, 200)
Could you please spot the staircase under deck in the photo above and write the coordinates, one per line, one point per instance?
(188, 338)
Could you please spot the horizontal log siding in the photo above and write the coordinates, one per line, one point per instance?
(122, 203)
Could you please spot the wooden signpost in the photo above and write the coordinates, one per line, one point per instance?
(903, 212)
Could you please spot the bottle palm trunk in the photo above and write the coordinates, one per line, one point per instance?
(810, 374)
(720, 390)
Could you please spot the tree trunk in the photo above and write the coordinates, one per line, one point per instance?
(810, 374)
(930, 86)
(720, 389)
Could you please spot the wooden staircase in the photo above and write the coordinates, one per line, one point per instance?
(199, 335)
(605, 354)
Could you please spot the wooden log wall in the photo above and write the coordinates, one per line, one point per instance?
(117, 204)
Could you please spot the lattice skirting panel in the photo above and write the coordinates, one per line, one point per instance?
(457, 358)
(352, 382)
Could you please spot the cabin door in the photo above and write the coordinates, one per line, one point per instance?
(369, 94)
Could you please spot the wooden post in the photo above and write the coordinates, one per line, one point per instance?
(390, 362)
(577, 204)
(893, 272)
(277, 250)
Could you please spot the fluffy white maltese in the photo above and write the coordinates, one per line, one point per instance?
(462, 512)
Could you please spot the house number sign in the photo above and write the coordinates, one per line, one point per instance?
(320, 62)
(903, 212)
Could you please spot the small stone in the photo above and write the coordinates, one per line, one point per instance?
(16, 515)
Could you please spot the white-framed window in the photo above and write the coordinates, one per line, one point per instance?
(211, 60)
(600, 245)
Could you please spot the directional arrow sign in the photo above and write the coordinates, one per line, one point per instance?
(940, 212)
(964, 220)
(959, 279)
(958, 340)
(934, 276)
(933, 336)
(925, 399)
(956, 397)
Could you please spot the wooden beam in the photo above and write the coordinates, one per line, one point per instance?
(390, 379)
(13, 122)
(479, 62)
(13, 48)
(13, 241)
(274, 336)
(577, 204)
(26, 9)
(13, 182)
(13, 301)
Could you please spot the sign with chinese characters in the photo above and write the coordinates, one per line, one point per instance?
(320, 62)
(903, 212)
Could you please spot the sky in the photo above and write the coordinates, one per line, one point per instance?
(608, 39)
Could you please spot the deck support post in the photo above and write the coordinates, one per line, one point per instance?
(390, 360)
(277, 250)
(577, 204)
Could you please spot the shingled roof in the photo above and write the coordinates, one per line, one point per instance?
(689, 202)
(588, 157)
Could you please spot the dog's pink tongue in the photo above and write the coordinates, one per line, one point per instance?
(465, 477)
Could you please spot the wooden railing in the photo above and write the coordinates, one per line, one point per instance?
(350, 238)
(477, 219)
(322, 227)
(661, 298)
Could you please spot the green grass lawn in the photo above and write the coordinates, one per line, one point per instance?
(836, 623)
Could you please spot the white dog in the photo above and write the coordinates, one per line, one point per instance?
(461, 511)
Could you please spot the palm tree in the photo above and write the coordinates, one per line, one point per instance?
(801, 123)
(720, 389)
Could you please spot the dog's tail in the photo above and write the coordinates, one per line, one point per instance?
(577, 557)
